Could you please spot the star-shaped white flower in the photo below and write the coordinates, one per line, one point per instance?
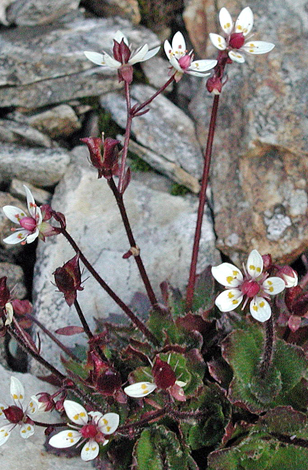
(254, 285)
(122, 55)
(93, 427)
(29, 223)
(182, 61)
(17, 414)
(236, 38)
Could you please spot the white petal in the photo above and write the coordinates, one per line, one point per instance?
(150, 54)
(254, 264)
(197, 74)
(5, 431)
(26, 430)
(17, 237)
(95, 57)
(95, 415)
(227, 274)
(228, 300)
(178, 45)
(90, 450)
(64, 439)
(111, 62)
(180, 383)
(218, 41)
(226, 21)
(33, 406)
(17, 391)
(168, 49)
(257, 47)
(175, 64)
(236, 56)
(119, 36)
(30, 201)
(33, 236)
(260, 309)
(109, 423)
(202, 65)
(139, 389)
(274, 285)
(244, 21)
(139, 55)
(75, 412)
(14, 213)
(2, 407)
(9, 313)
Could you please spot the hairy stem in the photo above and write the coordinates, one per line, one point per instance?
(120, 202)
(202, 201)
(268, 348)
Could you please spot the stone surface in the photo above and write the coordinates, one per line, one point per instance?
(23, 134)
(35, 12)
(45, 64)
(60, 121)
(196, 22)
(40, 195)
(165, 130)
(15, 279)
(30, 454)
(41, 167)
(163, 226)
(156, 71)
(3, 6)
(259, 164)
(126, 8)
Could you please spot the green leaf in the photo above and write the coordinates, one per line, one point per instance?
(158, 448)
(204, 291)
(242, 349)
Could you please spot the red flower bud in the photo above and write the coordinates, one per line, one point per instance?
(106, 164)
(214, 85)
(121, 51)
(164, 376)
(68, 279)
(237, 40)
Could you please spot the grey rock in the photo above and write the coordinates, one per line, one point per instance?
(41, 167)
(165, 130)
(15, 279)
(163, 226)
(40, 195)
(46, 65)
(156, 71)
(126, 8)
(35, 12)
(60, 121)
(3, 6)
(23, 134)
(259, 164)
(30, 454)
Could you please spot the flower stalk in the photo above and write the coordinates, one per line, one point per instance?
(268, 348)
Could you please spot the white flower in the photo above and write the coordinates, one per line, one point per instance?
(236, 40)
(122, 56)
(254, 285)
(93, 428)
(182, 62)
(17, 415)
(29, 230)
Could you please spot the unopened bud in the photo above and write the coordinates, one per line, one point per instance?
(68, 279)
(164, 376)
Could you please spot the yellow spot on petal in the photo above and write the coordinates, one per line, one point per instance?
(105, 421)
(70, 434)
(87, 449)
(255, 307)
(261, 304)
(258, 269)
(230, 295)
(252, 267)
(144, 387)
(227, 25)
(230, 279)
(108, 428)
(239, 27)
(235, 301)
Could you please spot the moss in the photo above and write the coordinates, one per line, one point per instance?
(137, 164)
(178, 190)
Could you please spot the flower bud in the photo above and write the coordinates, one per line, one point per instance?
(214, 85)
(68, 279)
(164, 376)
(288, 275)
(106, 164)
(121, 51)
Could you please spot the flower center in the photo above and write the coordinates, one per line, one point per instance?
(237, 40)
(14, 414)
(185, 61)
(250, 288)
(28, 223)
(89, 431)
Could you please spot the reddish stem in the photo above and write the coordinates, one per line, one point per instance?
(202, 201)
(129, 120)
(141, 326)
(120, 202)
